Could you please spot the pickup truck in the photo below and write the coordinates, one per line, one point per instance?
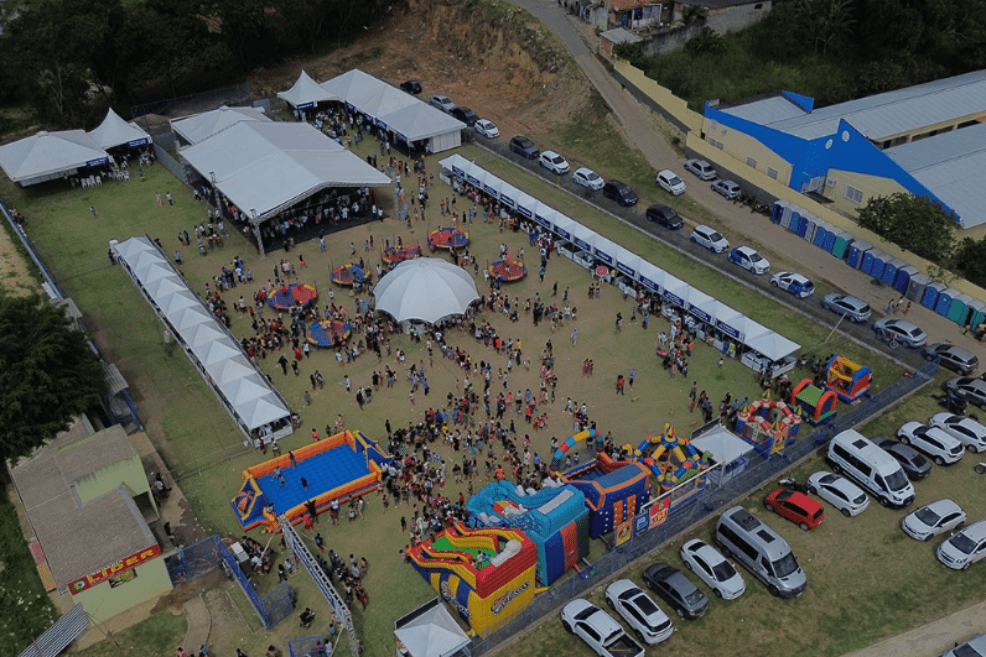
(597, 628)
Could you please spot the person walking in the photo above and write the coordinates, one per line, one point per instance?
(575, 336)
(319, 542)
(631, 376)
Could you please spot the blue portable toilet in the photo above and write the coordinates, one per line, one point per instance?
(798, 222)
(830, 238)
(903, 278)
(890, 270)
(811, 226)
(778, 211)
(841, 244)
(945, 299)
(916, 286)
(856, 251)
(976, 314)
(822, 229)
(931, 293)
(873, 263)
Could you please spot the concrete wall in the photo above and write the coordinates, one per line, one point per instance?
(670, 40)
(721, 21)
(729, 19)
(128, 472)
(870, 186)
(103, 602)
(742, 146)
(658, 98)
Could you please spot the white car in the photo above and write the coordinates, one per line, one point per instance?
(933, 519)
(585, 177)
(797, 284)
(709, 238)
(554, 162)
(974, 647)
(943, 448)
(964, 429)
(670, 182)
(713, 569)
(701, 168)
(649, 623)
(965, 547)
(838, 491)
(597, 628)
(487, 129)
(749, 259)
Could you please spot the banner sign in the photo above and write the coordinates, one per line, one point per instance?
(659, 512)
(133, 560)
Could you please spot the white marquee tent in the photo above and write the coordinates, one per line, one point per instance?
(49, 156)
(425, 289)
(199, 127)
(114, 131)
(430, 631)
(306, 93)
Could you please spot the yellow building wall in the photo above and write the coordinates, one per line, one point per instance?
(103, 602)
(661, 95)
(870, 186)
(741, 146)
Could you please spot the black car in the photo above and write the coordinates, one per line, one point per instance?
(620, 192)
(662, 215)
(915, 466)
(465, 115)
(524, 147)
(411, 87)
(679, 591)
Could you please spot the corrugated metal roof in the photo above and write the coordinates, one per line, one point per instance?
(766, 110)
(904, 110)
(951, 165)
(620, 35)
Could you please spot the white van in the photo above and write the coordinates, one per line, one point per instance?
(872, 468)
(762, 551)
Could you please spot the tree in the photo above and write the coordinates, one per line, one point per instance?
(970, 258)
(915, 223)
(48, 374)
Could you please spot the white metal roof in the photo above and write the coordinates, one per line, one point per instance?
(49, 153)
(114, 131)
(306, 92)
(199, 127)
(766, 111)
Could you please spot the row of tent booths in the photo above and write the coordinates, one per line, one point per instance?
(713, 320)
(904, 278)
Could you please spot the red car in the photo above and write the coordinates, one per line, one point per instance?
(796, 507)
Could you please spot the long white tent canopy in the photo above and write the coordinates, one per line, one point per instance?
(50, 155)
(266, 167)
(755, 336)
(244, 389)
(114, 131)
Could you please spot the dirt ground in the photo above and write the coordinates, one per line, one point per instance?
(15, 277)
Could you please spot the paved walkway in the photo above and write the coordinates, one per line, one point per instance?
(931, 639)
(199, 624)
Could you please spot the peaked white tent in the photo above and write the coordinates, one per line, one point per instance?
(306, 93)
(425, 289)
(199, 127)
(430, 631)
(50, 155)
(114, 131)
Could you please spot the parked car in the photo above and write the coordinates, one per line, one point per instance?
(853, 309)
(800, 509)
(465, 115)
(554, 162)
(969, 389)
(967, 431)
(905, 332)
(487, 128)
(597, 628)
(411, 87)
(619, 192)
(943, 448)
(701, 168)
(727, 188)
(585, 177)
(838, 491)
(648, 621)
(443, 103)
(933, 519)
(953, 357)
(524, 147)
(974, 647)
(964, 548)
(709, 237)
(713, 569)
(679, 591)
(915, 466)
(797, 284)
(749, 259)
(762, 551)
(662, 215)
(670, 182)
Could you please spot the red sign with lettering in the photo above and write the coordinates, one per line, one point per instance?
(132, 561)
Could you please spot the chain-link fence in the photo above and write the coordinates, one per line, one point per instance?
(644, 539)
(278, 604)
(309, 646)
(192, 103)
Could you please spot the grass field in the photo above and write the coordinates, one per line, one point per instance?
(193, 433)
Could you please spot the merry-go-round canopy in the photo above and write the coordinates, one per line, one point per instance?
(425, 289)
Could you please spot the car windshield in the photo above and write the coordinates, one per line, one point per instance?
(674, 180)
(756, 257)
(927, 516)
(591, 175)
(724, 571)
(694, 597)
(557, 159)
(963, 543)
(785, 565)
(914, 332)
(897, 480)
(965, 650)
(715, 237)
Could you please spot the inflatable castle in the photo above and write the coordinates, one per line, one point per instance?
(671, 459)
(768, 425)
(847, 379)
(816, 405)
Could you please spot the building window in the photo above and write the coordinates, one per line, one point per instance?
(772, 173)
(853, 194)
(758, 6)
(717, 144)
(750, 162)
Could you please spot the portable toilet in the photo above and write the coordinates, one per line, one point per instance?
(945, 299)
(890, 270)
(798, 222)
(916, 285)
(856, 251)
(873, 263)
(788, 215)
(931, 293)
(822, 230)
(811, 226)
(777, 211)
(903, 278)
(976, 314)
(840, 244)
(830, 238)
(959, 308)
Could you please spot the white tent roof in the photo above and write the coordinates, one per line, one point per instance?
(266, 167)
(199, 127)
(263, 410)
(306, 93)
(173, 304)
(723, 444)
(421, 121)
(114, 131)
(425, 289)
(772, 345)
(50, 153)
(240, 391)
(186, 319)
(431, 633)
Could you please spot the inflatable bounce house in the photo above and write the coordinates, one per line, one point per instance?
(813, 403)
(847, 379)
(338, 468)
(555, 518)
(590, 436)
(614, 490)
(487, 575)
(287, 296)
(673, 460)
(768, 425)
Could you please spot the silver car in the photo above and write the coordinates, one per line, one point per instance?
(729, 189)
(964, 429)
(853, 309)
(701, 168)
(585, 177)
(487, 129)
(972, 390)
(974, 647)
(838, 491)
(901, 330)
(649, 622)
(933, 519)
(713, 569)
(964, 548)
(443, 103)
(710, 238)
(953, 357)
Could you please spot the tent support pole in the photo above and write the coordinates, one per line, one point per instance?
(260, 236)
